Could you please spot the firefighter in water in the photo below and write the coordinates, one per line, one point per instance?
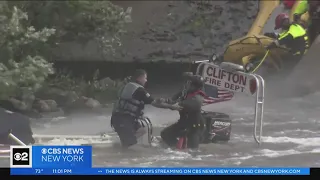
(293, 36)
(190, 125)
(129, 108)
(313, 7)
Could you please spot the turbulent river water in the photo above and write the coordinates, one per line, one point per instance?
(291, 137)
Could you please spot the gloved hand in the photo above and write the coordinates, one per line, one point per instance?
(169, 101)
(160, 100)
(175, 107)
(270, 34)
(270, 46)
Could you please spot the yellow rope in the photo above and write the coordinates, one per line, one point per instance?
(263, 59)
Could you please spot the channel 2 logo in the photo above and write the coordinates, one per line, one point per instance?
(20, 156)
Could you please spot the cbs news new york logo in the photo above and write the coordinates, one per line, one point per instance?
(20, 156)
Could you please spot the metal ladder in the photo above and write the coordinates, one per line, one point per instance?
(17, 140)
(259, 107)
(145, 121)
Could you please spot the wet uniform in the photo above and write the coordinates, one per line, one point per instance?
(296, 39)
(314, 12)
(127, 110)
(189, 125)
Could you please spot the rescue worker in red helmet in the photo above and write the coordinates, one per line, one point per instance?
(191, 123)
(313, 7)
(293, 36)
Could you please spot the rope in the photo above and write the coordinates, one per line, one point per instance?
(263, 59)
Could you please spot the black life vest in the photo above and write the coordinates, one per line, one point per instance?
(126, 104)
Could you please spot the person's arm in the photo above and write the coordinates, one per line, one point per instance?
(284, 40)
(166, 105)
(174, 98)
(287, 39)
(302, 8)
(271, 35)
(144, 96)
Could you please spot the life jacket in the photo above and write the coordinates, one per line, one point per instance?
(186, 114)
(126, 104)
(301, 41)
(182, 141)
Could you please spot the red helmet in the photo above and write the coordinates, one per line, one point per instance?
(279, 20)
(289, 3)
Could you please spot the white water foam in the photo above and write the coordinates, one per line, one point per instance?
(64, 141)
(296, 131)
(272, 153)
(272, 123)
(241, 138)
(236, 160)
(173, 155)
(57, 119)
(314, 141)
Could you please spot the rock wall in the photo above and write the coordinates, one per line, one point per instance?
(173, 31)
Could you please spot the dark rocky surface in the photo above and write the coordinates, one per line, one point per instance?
(184, 30)
(172, 31)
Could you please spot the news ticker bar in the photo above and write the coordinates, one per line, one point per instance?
(160, 171)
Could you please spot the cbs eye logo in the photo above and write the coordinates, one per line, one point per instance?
(20, 156)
